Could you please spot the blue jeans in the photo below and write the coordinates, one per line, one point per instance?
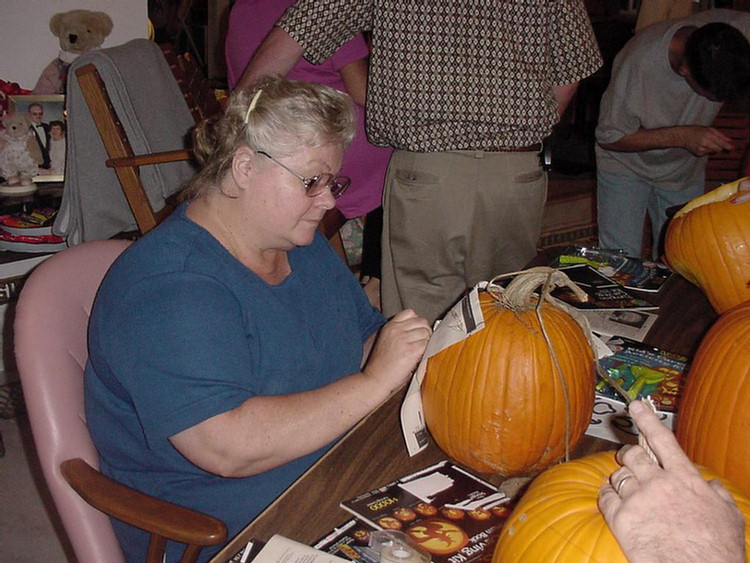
(622, 204)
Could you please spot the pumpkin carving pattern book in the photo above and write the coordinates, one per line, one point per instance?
(504, 400)
(445, 510)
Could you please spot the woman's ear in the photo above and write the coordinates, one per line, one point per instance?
(243, 165)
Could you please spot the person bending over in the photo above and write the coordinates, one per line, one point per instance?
(654, 133)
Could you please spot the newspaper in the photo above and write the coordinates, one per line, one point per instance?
(464, 319)
(621, 322)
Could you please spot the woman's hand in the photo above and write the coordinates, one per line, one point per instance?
(667, 512)
(398, 349)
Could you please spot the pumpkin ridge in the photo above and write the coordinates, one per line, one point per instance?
(727, 265)
(715, 409)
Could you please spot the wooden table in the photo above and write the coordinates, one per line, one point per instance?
(373, 452)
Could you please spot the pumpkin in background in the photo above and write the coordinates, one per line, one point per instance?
(495, 401)
(557, 519)
(708, 243)
(713, 421)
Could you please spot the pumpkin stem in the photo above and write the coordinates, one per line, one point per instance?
(520, 293)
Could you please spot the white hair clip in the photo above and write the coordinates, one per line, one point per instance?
(252, 105)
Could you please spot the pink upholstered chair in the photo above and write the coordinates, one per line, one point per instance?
(51, 351)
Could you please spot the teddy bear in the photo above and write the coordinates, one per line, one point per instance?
(20, 154)
(79, 31)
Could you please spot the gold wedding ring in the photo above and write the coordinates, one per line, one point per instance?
(621, 482)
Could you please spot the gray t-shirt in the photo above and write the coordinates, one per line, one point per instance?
(645, 92)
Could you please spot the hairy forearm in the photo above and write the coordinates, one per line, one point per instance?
(277, 55)
(268, 431)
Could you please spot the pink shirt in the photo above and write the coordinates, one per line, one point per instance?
(249, 23)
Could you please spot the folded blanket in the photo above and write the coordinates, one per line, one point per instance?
(155, 118)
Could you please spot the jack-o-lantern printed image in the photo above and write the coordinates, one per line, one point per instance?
(425, 509)
(452, 513)
(438, 536)
(362, 536)
(501, 510)
(480, 514)
(405, 514)
(389, 523)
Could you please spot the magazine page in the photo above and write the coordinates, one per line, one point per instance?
(643, 371)
(626, 270)
(630, 323)
(444, 509)
(603, 293)
(350, 541)
(284, 550)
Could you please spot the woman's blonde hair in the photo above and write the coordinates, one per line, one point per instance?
(286, 115)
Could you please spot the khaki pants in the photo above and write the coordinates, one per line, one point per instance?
(452, 219)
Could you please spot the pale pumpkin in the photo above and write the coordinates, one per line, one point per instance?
(708, 243)
(496, 402)
(713, 422)
(557, 519)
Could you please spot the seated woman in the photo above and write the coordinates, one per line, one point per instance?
(230, 346)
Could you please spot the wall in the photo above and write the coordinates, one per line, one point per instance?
(28, 45)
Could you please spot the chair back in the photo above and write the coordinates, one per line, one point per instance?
(115, 113)
(50, 334)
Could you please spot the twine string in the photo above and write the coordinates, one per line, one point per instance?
(517, 296)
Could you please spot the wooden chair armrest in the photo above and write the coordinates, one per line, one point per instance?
(141, 510)
(153, 158)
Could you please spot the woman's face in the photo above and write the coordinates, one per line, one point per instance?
(56, 132)
(286, 215)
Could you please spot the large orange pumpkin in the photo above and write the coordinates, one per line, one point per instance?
(713, 421)
(496, 402)
(557, 519)
(708, 243)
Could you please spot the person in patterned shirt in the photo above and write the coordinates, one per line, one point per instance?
(465, 91)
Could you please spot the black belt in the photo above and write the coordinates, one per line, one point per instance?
(536, 147)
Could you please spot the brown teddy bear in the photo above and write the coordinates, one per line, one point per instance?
(20, 154)
(79, 31)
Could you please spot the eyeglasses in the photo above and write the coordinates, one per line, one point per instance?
(317, 184)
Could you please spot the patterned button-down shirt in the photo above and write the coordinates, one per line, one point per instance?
(456, 74)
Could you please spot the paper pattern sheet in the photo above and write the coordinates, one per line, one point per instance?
(464, 319)
(283, 550)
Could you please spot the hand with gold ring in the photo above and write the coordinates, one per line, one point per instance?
(665, 511)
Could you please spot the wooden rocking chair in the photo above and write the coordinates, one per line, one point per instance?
(121, 156)
(201, 102)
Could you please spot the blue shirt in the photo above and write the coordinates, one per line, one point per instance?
(180, 332)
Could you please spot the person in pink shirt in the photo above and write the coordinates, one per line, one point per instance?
(249, 23)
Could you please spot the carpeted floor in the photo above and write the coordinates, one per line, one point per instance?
(28, 524)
